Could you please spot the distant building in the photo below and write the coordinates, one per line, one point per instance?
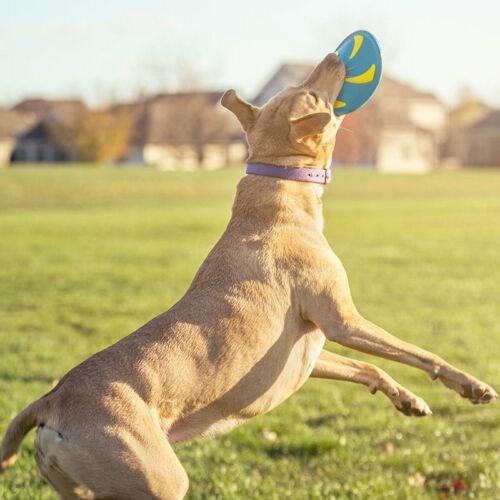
(401, 130)
(184, 130)
(413, 126)
(50, 119)
(190, 130)
(470, 133)
(484, 141)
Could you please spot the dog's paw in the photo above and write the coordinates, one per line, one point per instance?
(479, 393)
(411, 405)
(404, 400)
(468, 387)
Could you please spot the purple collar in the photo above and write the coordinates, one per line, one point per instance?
(303, 174)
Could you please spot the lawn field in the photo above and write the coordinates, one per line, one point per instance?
(87, 255)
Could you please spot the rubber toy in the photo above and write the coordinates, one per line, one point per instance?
(360, 52)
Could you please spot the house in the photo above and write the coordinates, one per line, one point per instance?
(462, 147)
(484, 141)
(401, 129)
(51, 121)
(413, 128)
(189, 130)
(405, 147)
(183, 131)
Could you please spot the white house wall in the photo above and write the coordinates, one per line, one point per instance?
(429, 115)
(6, 148)
(184, 157)
(170, 157)
(406, 151)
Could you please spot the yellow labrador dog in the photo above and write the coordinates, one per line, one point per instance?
(246, 335)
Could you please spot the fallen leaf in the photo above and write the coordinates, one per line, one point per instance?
(459, 486)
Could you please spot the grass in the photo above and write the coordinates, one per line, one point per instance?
(88, 255)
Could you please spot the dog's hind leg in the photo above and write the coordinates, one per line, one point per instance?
(47, 444)
(335, 367)
(118, 462)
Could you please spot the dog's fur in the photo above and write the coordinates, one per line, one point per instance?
(246, 335)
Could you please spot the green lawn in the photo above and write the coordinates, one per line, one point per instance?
(87, 255)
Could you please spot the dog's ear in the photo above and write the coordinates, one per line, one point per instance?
(244, 111)
(309, 124)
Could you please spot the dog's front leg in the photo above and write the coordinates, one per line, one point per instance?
(335, 367)
(329, 305)
(362, 335)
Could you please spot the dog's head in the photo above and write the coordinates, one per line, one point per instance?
(297, 126)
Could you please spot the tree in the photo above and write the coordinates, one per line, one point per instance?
(96, 136)
(103, 136)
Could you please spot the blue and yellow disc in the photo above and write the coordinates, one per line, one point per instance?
(361, 55)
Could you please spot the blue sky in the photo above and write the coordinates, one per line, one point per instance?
(114, 48)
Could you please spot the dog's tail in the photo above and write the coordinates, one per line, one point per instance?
(18, 428)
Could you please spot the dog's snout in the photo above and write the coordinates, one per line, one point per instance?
(333, 59)
(327, 77)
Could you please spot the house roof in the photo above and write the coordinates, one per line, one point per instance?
(42, 113)
(61, 110)
(13, 122)
(41, 106)
(492, 120)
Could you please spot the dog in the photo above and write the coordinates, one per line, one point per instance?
(247, 334)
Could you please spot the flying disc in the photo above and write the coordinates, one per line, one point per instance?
(361, 56)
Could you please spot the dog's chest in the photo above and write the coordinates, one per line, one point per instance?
(278, 380)
(297, 369)
(260, 389)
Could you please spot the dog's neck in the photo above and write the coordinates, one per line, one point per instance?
(296, 159)
(266, 200)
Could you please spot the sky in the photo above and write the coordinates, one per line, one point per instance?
(105, 50)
